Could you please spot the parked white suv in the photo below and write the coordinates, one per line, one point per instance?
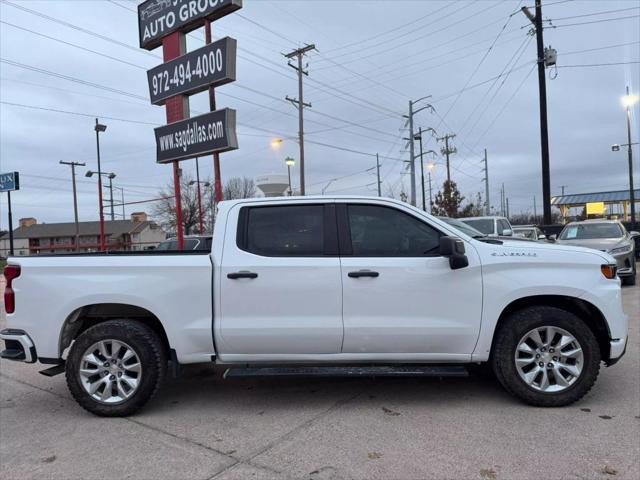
(490, 226)
(343, 281)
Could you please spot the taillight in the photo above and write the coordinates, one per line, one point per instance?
(10, 272)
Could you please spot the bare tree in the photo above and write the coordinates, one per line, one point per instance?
(165, 209)
(237, 187)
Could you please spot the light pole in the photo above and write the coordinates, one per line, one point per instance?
(206, 184)
(75, 197)
(110, 176)
(430, 167)
(290, 162)
(628, 100)
(418, 136)
(100, 128)
(412, 156)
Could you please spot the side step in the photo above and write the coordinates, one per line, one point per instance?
(53, 371)
(372, 371)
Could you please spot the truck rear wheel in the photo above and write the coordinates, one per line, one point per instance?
(115, 367)
(546, 356)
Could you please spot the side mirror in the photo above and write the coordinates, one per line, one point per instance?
(453, 248)
(542, 237)
(552, 238)
(634, 234)
(507, 232)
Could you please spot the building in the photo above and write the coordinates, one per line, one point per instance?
(616, 204)
(32, 238)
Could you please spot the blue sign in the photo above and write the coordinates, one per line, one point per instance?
(9, 181)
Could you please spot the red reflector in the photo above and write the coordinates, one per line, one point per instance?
(11, 272)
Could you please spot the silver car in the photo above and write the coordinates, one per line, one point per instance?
(608, 236)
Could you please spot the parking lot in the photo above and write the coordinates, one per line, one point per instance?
(202, 427)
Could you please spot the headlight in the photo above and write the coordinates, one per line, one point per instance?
(621, 250)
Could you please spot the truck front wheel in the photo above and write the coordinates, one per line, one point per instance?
(115, 367)
(546, 356)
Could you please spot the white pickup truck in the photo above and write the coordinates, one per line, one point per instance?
(319, 281)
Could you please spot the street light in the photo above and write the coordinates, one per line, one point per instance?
(100, 128)
(290, 162)
(276, 142)
(628, 100)
(430, 166)
(110, 176)
(206, 184)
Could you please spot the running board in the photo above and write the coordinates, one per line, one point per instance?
(399, 371)
(53, 371)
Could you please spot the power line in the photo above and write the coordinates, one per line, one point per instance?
(596, 13)
(596, 21)
(599, 64)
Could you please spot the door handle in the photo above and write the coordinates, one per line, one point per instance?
(237, 275)
(363, 273)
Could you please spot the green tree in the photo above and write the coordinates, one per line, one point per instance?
(447, 201)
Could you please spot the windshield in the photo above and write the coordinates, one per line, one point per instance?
(484, 225)
(525, 232)
(587, 231)
(463, 227)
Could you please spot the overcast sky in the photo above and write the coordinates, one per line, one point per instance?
(373, 57)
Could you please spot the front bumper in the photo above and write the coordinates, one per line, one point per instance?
(617, 350)
(18, 346)
(625, 264)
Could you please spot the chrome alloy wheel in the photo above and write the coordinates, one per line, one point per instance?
(549, 359)
(110, 371)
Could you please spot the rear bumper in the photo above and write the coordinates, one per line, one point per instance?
(18, 346)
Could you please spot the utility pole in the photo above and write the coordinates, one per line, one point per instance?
(430, 197)
(424, 205)
(502, 209)
(535, 210)
(562, 187)
(448, 150)
(507, 200)
(544, 132)
(75, 197)
(486, 185)
(411, 139)
(378, 174)
(299, 102)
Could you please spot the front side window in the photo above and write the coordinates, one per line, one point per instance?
(502, 226)
(385, 232)
(295, 230)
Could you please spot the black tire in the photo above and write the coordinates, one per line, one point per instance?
(153, 360)
(516, 326)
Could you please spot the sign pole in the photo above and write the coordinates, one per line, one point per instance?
(173, 46)
(217, 180)
(10, 223)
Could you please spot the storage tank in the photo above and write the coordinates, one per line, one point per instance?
(273, 184)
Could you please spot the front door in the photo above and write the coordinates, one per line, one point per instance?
(399, 295)
(280, 289)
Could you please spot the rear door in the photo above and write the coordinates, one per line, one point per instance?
(281, 291)
(400, 296)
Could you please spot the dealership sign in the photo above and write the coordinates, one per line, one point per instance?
(197, 136)
(9, 181)
(211, 65)
(159, 18)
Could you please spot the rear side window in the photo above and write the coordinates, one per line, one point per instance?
(385, 232)
(485, 225)
(295, 230)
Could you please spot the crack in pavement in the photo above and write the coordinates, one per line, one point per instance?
(249, 458)
(236, 461)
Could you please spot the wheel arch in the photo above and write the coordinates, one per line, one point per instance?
(583, 309)
(87, 316)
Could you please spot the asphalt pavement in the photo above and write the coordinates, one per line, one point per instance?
(203, 427)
